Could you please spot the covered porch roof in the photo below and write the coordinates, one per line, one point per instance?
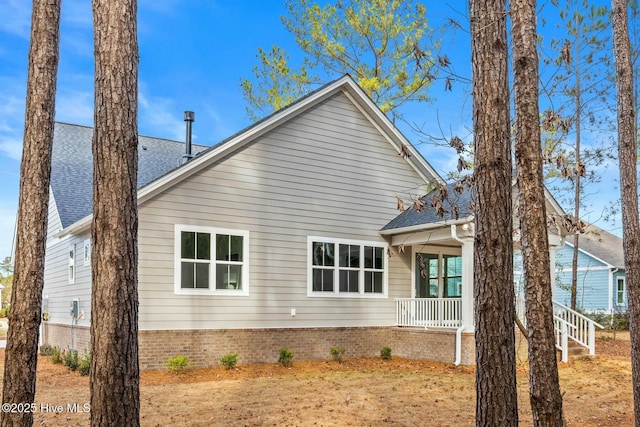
(446, 214)
(443, 216)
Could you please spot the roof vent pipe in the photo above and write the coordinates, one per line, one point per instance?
(189, 117)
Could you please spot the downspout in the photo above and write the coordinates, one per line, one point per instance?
(458, 357)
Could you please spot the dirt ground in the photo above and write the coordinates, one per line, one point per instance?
(357, 392)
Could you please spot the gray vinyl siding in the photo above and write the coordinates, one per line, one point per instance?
(57, 288)
(328, 173)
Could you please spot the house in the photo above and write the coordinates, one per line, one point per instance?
(601, 273)
(286, 234)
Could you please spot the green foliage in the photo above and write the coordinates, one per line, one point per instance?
(384, 45)
(337, 353)
(619, 321)
(229, 360)
(286, 357)
(56, 356)
(70, 359)
(385, 353)
(46, 350)
(85, 364)
(178, 364)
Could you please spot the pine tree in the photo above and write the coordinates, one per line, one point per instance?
(115, 377)
(19, 383)
(496, 399)
(627, 153)
(544, 384)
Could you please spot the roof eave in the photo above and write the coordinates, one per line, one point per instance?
(77, 227)
(423, 227)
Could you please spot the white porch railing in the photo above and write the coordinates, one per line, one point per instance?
(429, 312)
(571, 325)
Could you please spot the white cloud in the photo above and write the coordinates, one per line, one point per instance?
(12, 147)
(16, 18)
(159, 117)
(11, 122)
(74, 106)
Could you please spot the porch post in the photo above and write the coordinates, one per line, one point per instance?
(467, 284)
(554, 241)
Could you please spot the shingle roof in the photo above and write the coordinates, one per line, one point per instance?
(72, 167)
(429, 215)
(602, 245)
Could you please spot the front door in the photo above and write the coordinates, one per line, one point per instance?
(426, 275)
(438, 275)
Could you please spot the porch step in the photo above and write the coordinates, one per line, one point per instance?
(575, 350)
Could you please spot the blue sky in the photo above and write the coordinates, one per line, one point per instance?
(192, 57)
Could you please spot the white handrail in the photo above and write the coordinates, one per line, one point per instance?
(575, 326)
(429, 312)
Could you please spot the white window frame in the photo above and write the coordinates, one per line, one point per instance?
(86, 253)
(336, 269)
(440, 252)
(624, 291)
(211, 290)
(71, 252)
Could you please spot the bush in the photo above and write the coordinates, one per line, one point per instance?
(85, 364)
(178, 364)
(71, 359)
(229, 360)
(286, 357)
(56, 357)
(46, 350)
(337, 353)
(618, 322)
(385, 353)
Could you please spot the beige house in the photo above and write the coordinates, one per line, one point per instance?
(286, 234)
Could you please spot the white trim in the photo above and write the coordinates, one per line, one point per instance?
(51, 242)
(336, 269)
(589, 254)
(86, 253)
(244, 289)
(430, 226)
(71, 268)
(624, 291)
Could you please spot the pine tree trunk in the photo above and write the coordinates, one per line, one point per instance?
(115, 378)
(544, 385)
(496, 402)
(627, 153)
(19, 384)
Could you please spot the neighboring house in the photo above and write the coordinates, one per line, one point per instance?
(601, 274)
(286, 234)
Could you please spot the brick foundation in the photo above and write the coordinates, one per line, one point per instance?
(64, 336)
(206, 347)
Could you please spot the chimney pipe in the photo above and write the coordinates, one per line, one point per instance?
(189, 117)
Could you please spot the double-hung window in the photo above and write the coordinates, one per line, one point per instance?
(620, 291)
(211, 260)
(346, 268)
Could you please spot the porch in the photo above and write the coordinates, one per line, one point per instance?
(571, 327)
